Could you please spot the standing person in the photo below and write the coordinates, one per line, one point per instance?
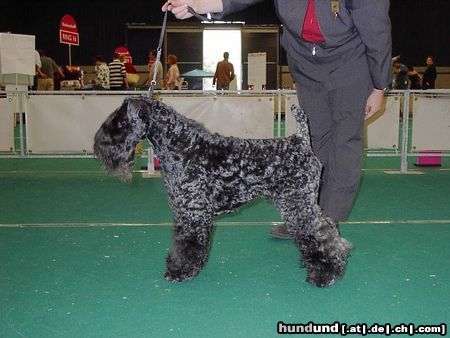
(38, 71)
(152, 63)
(401, 78)
(339, 55)
(101, 81)
(429, 77)
(224, 73)
(48, 69)
(117, 74)
(173, 80)
(414, 79)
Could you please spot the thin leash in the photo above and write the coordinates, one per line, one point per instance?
(159, 49)
(198, 16)
(158, 56)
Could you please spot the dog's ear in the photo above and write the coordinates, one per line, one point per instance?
(134, 108)
(136, 111)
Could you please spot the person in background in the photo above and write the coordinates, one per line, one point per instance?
(401, 79)
(339, 54)
(430, 74)
(131, 72)
(101, 81)
(224, 73)
(37, 66)
(173, 80)
(152, 63)
(48, 69)
(117, 74)
(415, 81)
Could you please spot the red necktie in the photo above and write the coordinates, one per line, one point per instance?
(311, 30)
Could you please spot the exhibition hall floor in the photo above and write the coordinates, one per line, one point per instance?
(82, 255)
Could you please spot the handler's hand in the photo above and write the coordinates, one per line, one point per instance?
(179, 8)
(374, 103)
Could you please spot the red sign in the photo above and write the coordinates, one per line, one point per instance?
(68, 31)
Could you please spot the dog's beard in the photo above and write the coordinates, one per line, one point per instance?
(116, 139)
(117, 157)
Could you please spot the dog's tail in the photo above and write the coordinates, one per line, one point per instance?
(302, 124)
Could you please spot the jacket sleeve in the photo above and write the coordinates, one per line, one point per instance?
(231, 6)
(371, 19)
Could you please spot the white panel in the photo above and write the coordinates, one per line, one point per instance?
(17, 54)
(257, 70)
(382, 130)
(431, 123)
(245, 117)
(66, 123)
(7, 124)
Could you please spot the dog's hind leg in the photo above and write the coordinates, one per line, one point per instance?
(324, 253)
(189, 252)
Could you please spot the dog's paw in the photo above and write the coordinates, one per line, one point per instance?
(323, 270)
(179, 276)
(323, 275)
(181, 267)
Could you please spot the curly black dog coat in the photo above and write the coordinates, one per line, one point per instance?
(207, 175)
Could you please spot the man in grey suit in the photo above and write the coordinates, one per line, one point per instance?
(339, 55)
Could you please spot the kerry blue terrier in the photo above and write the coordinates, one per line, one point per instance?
(208, 174)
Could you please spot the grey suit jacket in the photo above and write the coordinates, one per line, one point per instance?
(357, 44)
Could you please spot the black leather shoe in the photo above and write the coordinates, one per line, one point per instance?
(280, 232)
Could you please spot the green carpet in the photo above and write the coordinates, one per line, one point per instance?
(107, 282)
(78, 191)
(73, 275)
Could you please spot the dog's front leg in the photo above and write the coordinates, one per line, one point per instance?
(189, 253)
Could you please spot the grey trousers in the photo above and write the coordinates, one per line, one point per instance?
(336, 121)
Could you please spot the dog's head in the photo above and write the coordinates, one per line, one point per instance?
(116, 139)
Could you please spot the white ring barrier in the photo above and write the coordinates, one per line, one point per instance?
(64, 123)
(7, 105)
